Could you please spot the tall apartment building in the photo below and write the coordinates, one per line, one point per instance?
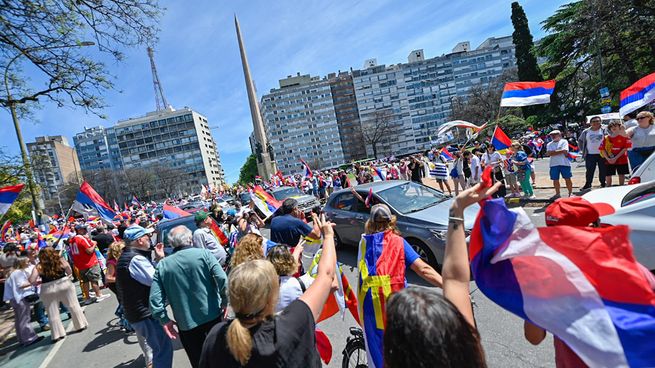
(347, 115)
(97, 149)
(417, 95)
(179, 139)
(54, 164)
(301, 123)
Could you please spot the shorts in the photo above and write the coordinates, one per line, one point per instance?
(613, 169)
(91, 274)
(556, 171)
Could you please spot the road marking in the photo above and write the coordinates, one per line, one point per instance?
(58, 345)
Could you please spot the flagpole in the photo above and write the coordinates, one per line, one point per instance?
(62, 231)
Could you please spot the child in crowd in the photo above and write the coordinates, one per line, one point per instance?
(614, 148)
(524, 169)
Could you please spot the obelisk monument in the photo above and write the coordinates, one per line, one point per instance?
(265, 165)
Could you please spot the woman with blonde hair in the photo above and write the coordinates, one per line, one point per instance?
(257, 337)
(56, 287)
(286, 265)
(250, 248)
(643, 139)
(17, 295)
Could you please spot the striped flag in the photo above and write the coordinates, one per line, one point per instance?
(4, 230)
(308, 171)
(218, 233)
(369, 197)
(637, 95)
(7, 197)
(517, 94)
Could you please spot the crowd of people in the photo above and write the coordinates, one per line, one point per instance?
(248, 301)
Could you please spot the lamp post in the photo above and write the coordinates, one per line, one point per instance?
(11, 103)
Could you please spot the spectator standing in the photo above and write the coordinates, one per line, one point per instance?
(494, 159)
(643, 139)
(16, 294)
(614, 149)
(589, 144)
(558, 150)
(134, 274)
(195, 312)
(204, 238)
(83, 252)
(476, 167)
(523, 169)
(102, 238)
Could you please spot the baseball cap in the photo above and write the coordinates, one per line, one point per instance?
(555, 132)
(231, 212)
(135, 232)
(80, 227)
(573, 211)
(380, 213)
(201, 216)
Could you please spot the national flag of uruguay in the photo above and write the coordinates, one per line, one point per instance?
(8, 195)
(517, 94)
(581, 284)
(381, 264)
(171, 212)
(637, 95)
(308, 171)
(446, 154)
(500, 140)
(88, 202)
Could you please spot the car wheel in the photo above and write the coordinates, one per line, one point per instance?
(425, 253)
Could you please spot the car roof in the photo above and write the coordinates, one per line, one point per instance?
(377, 186)
(175, 221)
(282, 188)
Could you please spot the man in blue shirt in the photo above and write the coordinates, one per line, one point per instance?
(288, 227)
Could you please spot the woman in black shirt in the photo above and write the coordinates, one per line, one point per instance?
(259, 338)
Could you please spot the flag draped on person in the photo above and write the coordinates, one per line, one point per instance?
(637, 95)
(517, 94)
(172, 212)
(88, 203)
(8, 195)
(582, 284)
(381, 263)
(500, 140)
(308, 171)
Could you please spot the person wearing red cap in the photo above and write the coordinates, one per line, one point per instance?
(578, 212)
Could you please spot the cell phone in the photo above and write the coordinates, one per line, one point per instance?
(317, 210)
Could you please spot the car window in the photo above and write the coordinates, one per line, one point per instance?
(285, 193)
(344, 202)
(190, 223)
(411, 197)
(640, 194)
(361, 206)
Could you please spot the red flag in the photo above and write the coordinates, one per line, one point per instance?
(369, 198)
(218, 233)
(323, 346)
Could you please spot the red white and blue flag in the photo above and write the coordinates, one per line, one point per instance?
(500, 140)
(308, 171)
(446, 154)
(171, 212)
(517, 94)
(581, 284)
(135, 201)
(379, 173)
(8, 195)
(381, 263)
(89, 203)
(4, 230)
(369, 198)
(638, 95)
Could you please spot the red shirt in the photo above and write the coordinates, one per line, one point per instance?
(613, 145)
(81, 259)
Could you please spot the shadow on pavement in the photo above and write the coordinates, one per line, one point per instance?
(109, 335)
(12, 349)
(134, 363)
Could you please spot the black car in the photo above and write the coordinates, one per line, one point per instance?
(165, 226)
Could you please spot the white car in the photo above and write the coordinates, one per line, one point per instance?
(644, 172)
(632, 205)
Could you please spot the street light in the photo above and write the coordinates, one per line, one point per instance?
(11, 103)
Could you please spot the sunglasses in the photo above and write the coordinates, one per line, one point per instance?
(643, 117)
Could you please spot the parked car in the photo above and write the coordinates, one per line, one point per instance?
(305, 202)
(244, 198)
(644, 172)
(632, 205)
(422, 215)
(165, 226)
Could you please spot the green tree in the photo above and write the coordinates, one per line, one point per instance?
(526, 61)
(594, 44)
(512, 125)
(482, 103)
(248, 170)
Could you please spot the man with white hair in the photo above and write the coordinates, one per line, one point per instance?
(194, 284)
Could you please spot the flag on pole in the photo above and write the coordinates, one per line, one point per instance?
(171, 212)
(379, 173)
(4, 230)
(500, 140)
(308, 171)
(637, 95)
(446, 154)
(136, 201)
(8, 195)
(581, 284)
(88, 203)
(218, 233)
(517, 94)
(272, 203)
(445, 127)
(116, 208)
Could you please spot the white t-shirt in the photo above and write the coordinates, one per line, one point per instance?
(291, 290)
(643, 137)
(493, 159)
(475, 168)
(559, 160)
(593, 139)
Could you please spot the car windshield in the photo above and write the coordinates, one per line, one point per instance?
(285, 193)
(411, 197)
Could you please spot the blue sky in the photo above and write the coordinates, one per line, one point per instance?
(198, 57)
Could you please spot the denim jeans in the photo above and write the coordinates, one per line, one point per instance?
(42, 317)
(591, 161)
(159, 342)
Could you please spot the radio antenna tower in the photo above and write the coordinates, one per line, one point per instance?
(162, 104)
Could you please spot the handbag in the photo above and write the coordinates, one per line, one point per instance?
(32, 298)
